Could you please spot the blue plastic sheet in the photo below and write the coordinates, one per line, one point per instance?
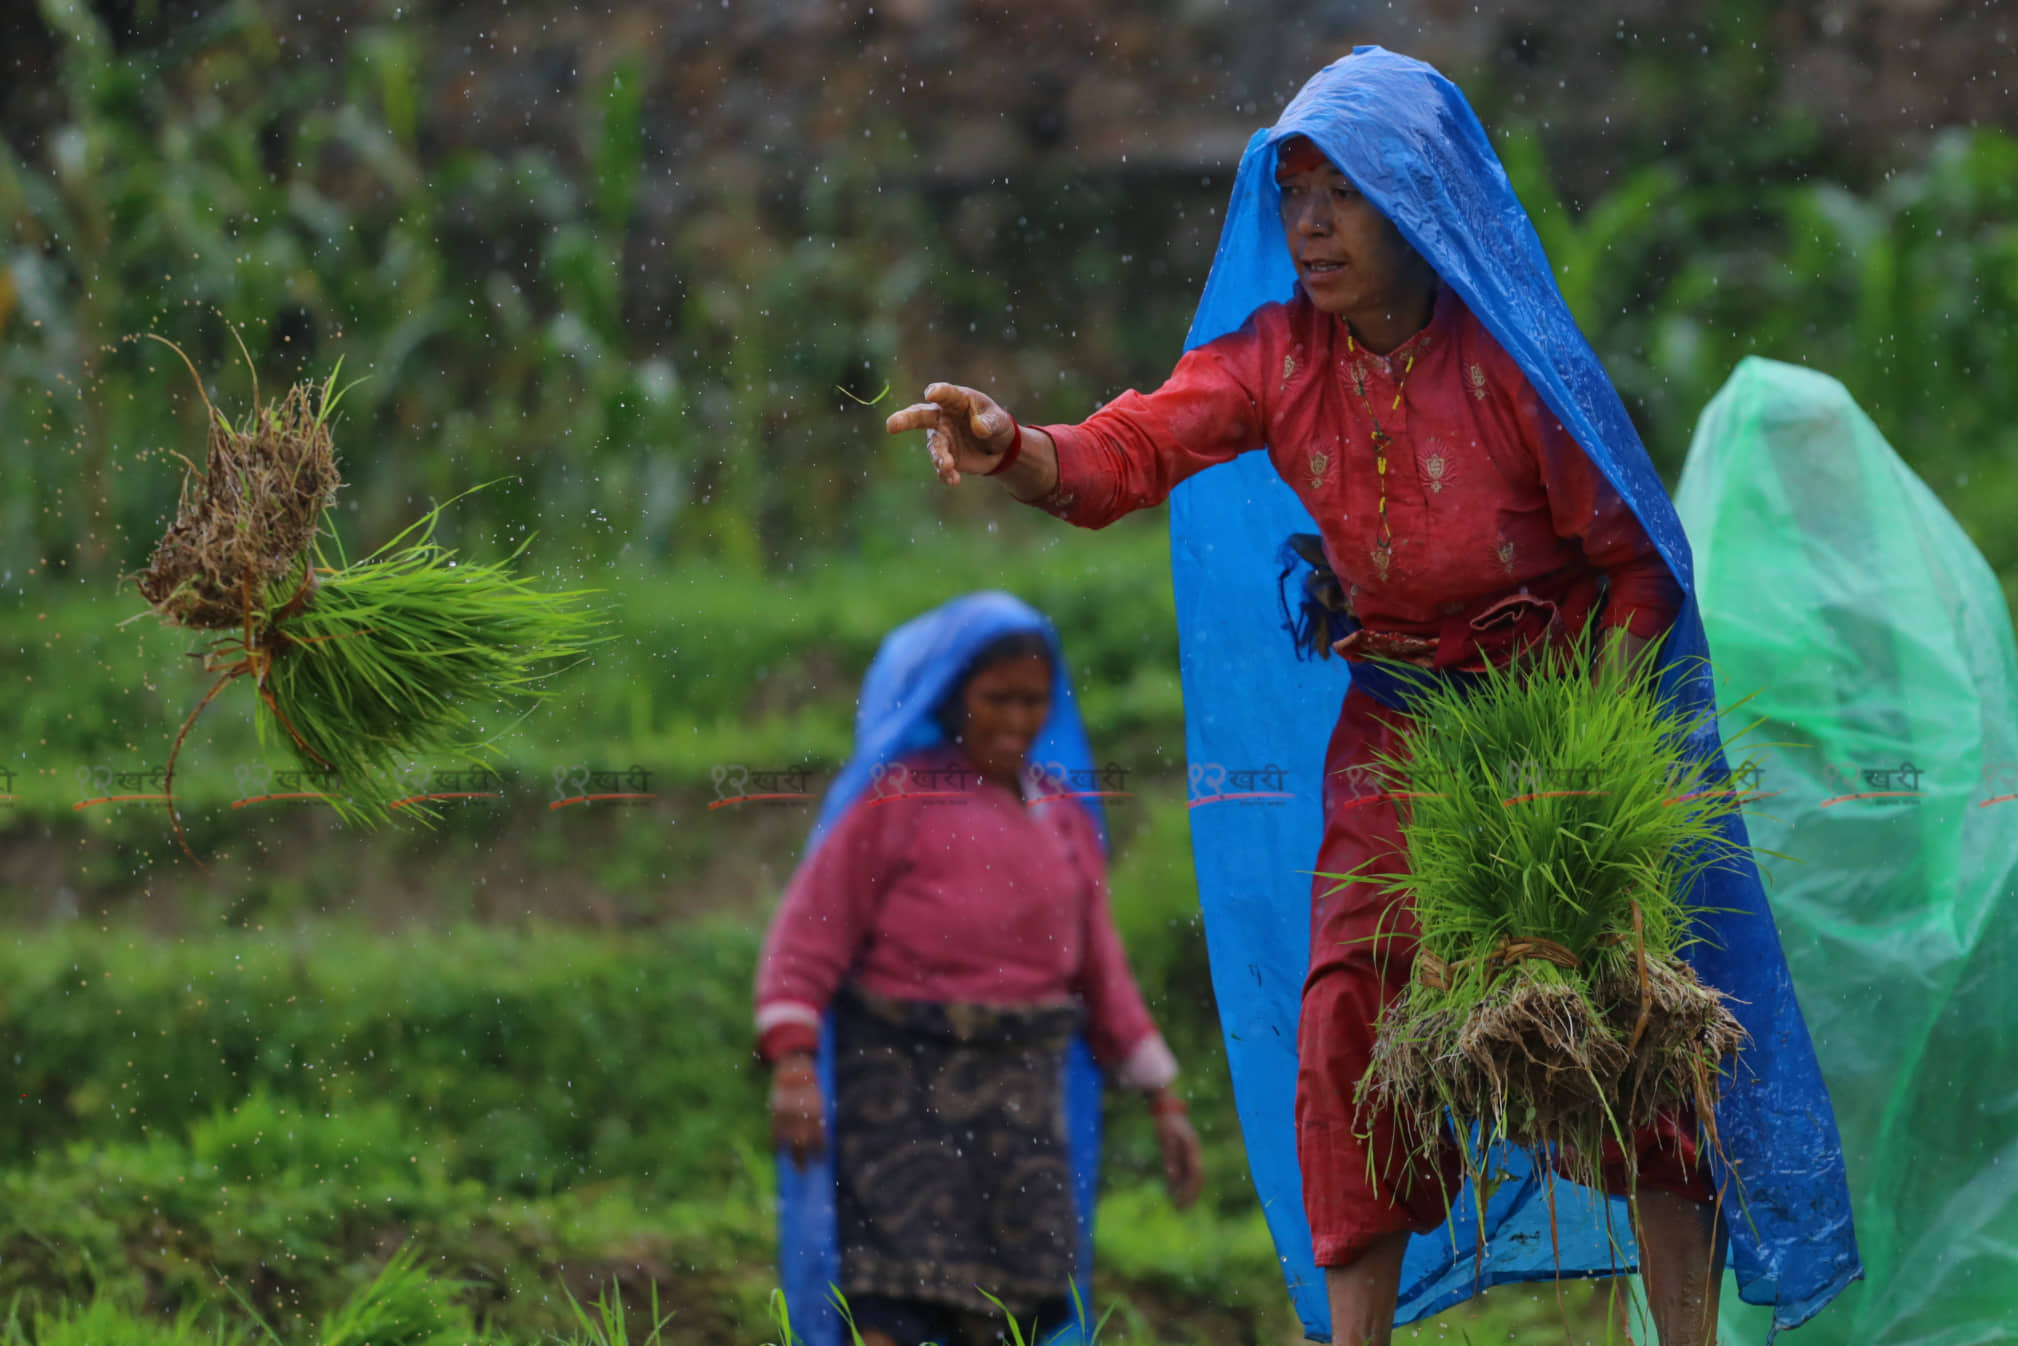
(916, 667)
(1411, 144)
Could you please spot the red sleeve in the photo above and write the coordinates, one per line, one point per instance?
(828, 911)
(1119, 1028)
(1583, 505)
(1131, 453)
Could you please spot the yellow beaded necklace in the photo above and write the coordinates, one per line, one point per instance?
(1383, 543)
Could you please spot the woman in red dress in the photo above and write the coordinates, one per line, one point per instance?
(1463, 523)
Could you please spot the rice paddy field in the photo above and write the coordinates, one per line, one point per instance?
(508, 1055)
(233, 1135)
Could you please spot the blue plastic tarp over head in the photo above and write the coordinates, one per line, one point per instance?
(914, 670)
(1412, 145)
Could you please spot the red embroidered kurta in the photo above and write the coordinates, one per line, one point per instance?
(1486, 496)
(1485, 490)
(957, 892)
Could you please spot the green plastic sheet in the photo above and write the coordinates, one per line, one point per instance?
(1877, 648)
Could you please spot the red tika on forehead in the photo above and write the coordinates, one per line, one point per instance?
(1298, 155)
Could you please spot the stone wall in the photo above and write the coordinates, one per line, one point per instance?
(985, 89)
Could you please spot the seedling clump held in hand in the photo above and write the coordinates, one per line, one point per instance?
(1553, 822)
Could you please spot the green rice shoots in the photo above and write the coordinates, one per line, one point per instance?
(1553, 823)
(361, 668)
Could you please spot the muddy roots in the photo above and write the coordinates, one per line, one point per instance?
(245, 522)
(1542, 1061)
(1417, 1071)
(1545, 1055)
(1689, 1033)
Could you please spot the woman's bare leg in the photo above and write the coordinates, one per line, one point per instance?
(1682, 1266)
(1362, 1293)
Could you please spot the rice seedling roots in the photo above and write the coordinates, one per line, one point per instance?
(245, 522)
(1548, 1064)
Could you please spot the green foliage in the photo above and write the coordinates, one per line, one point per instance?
(1549, 802)
(401, 1306)
(1907, 292)
(610, 1325)
(303, 1253)
(484, 294)
(539, 1118)
(675, 396)
(700, 667)
(398, 658)
(536, 1118)
(245, 1127)
(102, 1321)
(543, 1065)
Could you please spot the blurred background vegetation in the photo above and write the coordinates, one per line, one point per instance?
(641, 268)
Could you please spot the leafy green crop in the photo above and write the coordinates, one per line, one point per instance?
(1554, 825)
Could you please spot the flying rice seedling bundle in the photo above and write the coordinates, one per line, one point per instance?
(361, 667)
(1553, 822)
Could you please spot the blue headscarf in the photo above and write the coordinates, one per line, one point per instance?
(917, 667)
(1411, 144)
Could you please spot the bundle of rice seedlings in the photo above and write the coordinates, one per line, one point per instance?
(399, 656)
(1553, 825)
(361, 666)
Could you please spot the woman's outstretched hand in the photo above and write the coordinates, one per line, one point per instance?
(798, 1111)
(965, 430)
(968, 431)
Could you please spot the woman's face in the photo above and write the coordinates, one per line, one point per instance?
(1352, 261)
(1005, 706)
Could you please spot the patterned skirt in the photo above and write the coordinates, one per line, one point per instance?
(952, 1170)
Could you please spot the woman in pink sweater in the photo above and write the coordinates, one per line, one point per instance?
(950, 926)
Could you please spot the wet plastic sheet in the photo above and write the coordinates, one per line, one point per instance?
(1878, 648)
(1411, 144)
(914, 669)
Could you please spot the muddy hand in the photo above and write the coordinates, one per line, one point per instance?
(798, 1110)
(1183, 1160)
(965, 429)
